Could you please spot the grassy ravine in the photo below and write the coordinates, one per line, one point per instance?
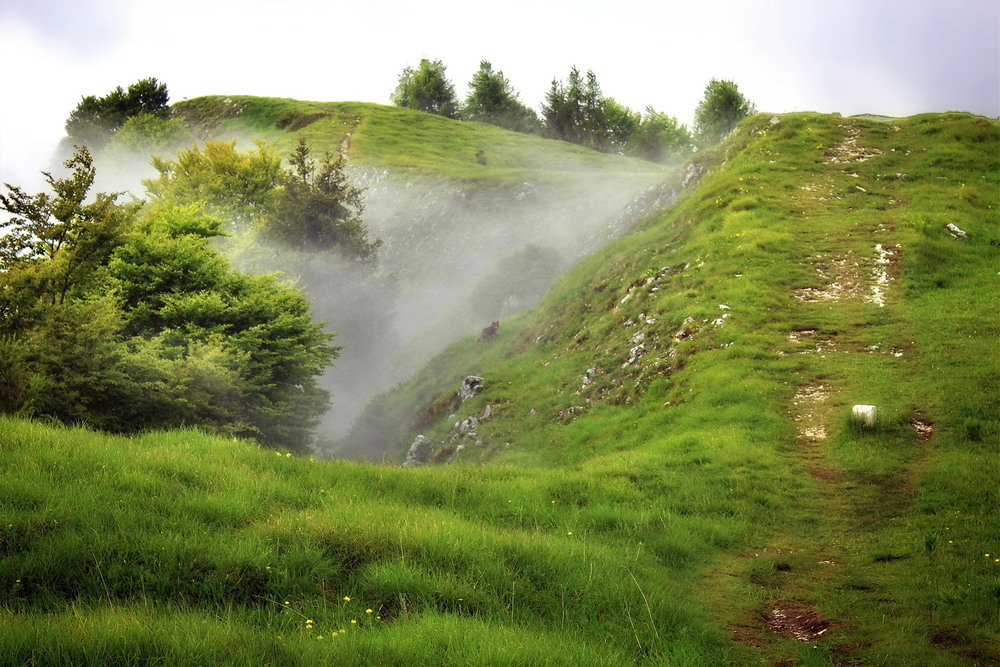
(704, 478)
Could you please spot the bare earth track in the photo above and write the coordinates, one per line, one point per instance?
(852, 273)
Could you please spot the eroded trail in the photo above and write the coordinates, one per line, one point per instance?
(849, 342)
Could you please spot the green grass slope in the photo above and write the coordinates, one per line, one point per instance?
(716, 353)
(667, 475)
(399, 139)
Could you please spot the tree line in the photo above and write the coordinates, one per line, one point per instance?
(574, 110)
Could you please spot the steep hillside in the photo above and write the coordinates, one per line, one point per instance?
(728, 338)
(662, 469)
(454, 203)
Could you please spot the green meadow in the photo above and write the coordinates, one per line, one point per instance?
(668, 473)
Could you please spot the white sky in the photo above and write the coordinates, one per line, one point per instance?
(894, 57)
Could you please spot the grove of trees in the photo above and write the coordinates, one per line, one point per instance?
(574, 110)
(96, 119)
(125, 317)
(492, 100)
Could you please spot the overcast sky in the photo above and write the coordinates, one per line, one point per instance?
(893, 57)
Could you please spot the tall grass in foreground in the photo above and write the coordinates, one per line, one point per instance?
(181, 548)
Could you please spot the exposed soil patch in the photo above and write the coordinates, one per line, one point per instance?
(345, 145)
(842, 277)
(881, 276)
(923, 428)
(845, 279)
(809, 416)
(848, 151)
(813, 341)
(797, 620)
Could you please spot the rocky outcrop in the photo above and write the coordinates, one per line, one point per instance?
(420, 452)
(470, 386)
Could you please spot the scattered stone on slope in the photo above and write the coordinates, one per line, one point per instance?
(956, 231)
(848, 150)
(809, 416)
(419, 453)
(923, 428)
(470, 386)
(468, 428)
(590, 376)
(646, 203)
(656, 280)
(692, 174)
(843, 280)
(816, 342)
(880, 274)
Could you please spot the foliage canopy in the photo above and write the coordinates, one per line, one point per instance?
(722, 107)
(492, 99)
(318, 210)
(96, 119)
(127, 319)
(427, 88)
(578, 111)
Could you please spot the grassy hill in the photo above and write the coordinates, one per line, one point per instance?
(666, 472)
(454, 202)
(390, 137)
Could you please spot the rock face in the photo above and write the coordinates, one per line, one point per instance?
(420, 452)
(470, 386)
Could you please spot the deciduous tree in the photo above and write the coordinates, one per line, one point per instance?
(660, 138)
(722, 107)
(58, 240)
(95, 119)
(238, 185)
(128, 321)
(493, 100)
(427, 88)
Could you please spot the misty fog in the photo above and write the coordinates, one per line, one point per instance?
(455, 258)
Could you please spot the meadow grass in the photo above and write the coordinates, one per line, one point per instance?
(642, 493)
(407, 142)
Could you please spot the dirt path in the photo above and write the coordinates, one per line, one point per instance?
(853, 272)
(345, 144)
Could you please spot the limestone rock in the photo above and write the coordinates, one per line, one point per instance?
(419, 453)
(470, 386)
